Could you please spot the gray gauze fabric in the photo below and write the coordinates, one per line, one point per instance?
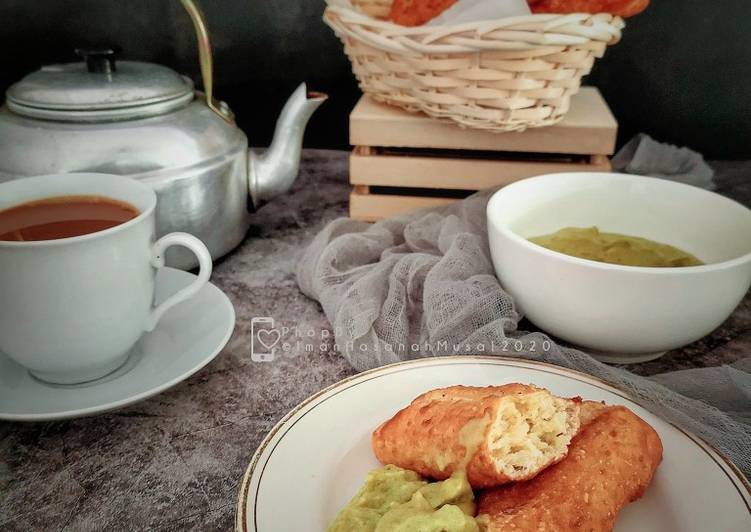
(422, 284)
(643, 155)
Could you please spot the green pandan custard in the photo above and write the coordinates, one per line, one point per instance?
(398, 500)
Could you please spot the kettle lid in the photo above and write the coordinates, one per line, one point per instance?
(99, 89)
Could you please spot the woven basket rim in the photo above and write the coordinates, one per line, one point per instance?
(524, 32)
(344, 7)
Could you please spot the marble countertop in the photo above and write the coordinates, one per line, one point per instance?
(174, 462)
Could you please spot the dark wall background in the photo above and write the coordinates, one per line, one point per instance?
(682, 73)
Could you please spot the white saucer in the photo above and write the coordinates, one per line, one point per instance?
(187, 338)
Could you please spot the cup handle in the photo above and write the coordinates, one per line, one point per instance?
(204, 271)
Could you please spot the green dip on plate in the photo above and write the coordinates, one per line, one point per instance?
(399, 500)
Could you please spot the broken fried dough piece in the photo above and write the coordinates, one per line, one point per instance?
(610, 463)
(497, 434)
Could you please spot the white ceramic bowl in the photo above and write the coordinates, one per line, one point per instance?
(622, 313)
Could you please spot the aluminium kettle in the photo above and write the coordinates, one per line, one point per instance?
(145, 121)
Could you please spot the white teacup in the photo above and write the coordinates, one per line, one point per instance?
(73, 308)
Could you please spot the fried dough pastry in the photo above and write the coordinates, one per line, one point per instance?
(610, 463)
(417, 12)
(622, 8)
(497, 434)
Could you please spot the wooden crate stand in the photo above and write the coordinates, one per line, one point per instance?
(403, 161)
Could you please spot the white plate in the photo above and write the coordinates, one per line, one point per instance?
(187, 338)
(315, 459)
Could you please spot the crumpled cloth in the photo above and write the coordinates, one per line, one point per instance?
(422, 284)
(643, 155)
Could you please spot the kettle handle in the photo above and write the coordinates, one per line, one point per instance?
(205, 59)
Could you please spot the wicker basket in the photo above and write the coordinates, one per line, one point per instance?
(499, 75)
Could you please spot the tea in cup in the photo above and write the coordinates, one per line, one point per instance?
(78, 262)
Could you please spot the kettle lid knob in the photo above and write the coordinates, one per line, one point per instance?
(99, 60)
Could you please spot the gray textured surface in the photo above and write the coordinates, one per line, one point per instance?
(174, 462)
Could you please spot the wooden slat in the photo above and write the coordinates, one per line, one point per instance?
(374, 207)
(588, 128)
(454, 173)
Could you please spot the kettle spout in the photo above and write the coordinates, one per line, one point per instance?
(273, 171)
